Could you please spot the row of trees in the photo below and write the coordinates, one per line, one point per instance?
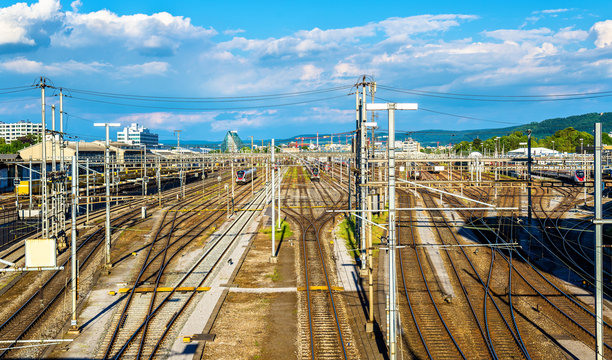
(566, 140)
(18, 144)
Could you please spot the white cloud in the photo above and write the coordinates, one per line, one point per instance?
(148, 68)
(306, 42)
(166, 120)
(233, 31)
(22, 24)
(157, 34)
(26, 66)
(551, 11)
(603, 33)
(311, 72)
(75, 5)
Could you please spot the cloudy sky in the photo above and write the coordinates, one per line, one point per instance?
(270, 69)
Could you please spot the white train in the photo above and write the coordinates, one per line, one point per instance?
(246, 176)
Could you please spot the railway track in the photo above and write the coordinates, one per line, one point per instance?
(40, 306)
(144, 322)
(568, 316)
(323, 338)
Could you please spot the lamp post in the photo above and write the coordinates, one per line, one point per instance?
(107, 176)
(553, 143)
(393, 313)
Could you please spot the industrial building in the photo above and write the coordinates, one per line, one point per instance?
(137, 135)
(123, 153)
(13, 131)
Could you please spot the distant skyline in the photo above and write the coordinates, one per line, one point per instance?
(211, 66)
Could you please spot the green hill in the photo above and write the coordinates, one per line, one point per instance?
(539, 130)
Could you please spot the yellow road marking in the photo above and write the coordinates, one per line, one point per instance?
(163, 289)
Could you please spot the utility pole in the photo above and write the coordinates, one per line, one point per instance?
(107, 179)
(392, 311)
(252, 169)
(273, 256)
(73, 249)
(43, 165)
(87, 189)
(280, 179)
(178, 147)
(529, 176)
(598, 245)
(158, 175)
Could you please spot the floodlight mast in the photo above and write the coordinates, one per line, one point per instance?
(392, 321)
(107, 246)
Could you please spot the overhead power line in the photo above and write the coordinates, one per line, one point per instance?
(500, 98)
(205, 99)
(210, 108)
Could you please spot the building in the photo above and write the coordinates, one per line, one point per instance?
(137, 135)
(535, 151)
(13, 131)
(94, 151)
(231, 142)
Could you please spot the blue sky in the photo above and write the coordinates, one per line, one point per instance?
(229, 52)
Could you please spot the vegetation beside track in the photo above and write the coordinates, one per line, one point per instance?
(281, 234)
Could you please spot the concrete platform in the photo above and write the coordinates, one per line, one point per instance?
(346, 268)
(428, 235)
(210, 302)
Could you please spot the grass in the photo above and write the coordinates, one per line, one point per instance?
(275, 276)
(346, 231)
(282, 233)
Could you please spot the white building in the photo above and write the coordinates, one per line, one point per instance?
(409, 146)
(535, 151)
(137, 135)
(13, 131)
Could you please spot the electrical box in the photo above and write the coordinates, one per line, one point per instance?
(40, 253)
(23, 188)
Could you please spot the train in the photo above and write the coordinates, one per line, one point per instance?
(435, 168)
(246, 176)
(576, 176)
(314, 173)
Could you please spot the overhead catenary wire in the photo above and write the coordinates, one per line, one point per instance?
(253, 107)
(206, 99)
(501, 98)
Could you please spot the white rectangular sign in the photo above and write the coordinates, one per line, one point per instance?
(40, 253)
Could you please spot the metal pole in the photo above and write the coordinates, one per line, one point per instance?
(280, 179)
(87, 189)
(362, 178)
(73, 248)
(233, 179)
(598, 245)
(272, 205)
(391, 182)
(370, 268)
(107, 181)
(30, 186)
(529, 209)
(43, 166)
(158, 173)
(252, 169)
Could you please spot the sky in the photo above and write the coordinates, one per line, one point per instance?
(279, 69)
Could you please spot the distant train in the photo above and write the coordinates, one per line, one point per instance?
(314, 173)
(435, 168)
(578, 176)
(575, 176)
(246, 176)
